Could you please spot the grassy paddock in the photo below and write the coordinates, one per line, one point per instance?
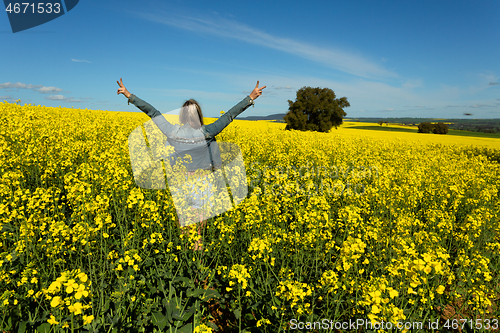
(414, 129)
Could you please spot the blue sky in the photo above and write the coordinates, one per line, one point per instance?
(389, 58)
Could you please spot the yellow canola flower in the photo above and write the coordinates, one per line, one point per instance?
(393, 293)
(202, 329)
(87, 319)
(240, 273)
(76, 308)
(54, 287)
(83, 277)
(81, 292)
(55, 301)
(71, 287)
(52, 320)
(440, 289)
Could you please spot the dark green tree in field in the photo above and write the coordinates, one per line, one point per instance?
(425, 127)
(440, 128)
(315, 109)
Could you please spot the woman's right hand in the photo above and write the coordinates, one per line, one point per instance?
(122, 89)
(257, 91)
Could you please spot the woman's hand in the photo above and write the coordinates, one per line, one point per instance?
(123, 90)
(256, 92)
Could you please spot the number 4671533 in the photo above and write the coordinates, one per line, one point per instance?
(26, 7)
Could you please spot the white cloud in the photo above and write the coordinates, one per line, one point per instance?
(82, 60)
(40, 88)
(18, 85)
(335, 58)
(48, 90)
(71, 99)
(481, 106)
(62, 98)
(55, 97)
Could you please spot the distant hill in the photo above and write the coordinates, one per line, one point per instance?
(278, 117)
(469, 124)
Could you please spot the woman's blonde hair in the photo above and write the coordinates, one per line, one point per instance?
(191, 114)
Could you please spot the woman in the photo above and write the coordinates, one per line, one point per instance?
(193, 134)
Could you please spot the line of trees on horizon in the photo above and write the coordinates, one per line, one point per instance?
(436, 128)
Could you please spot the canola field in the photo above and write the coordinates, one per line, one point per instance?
(337, 227)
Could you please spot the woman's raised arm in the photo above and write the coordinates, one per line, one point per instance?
(163, 124)
(221, 123)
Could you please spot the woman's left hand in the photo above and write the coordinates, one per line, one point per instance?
(257, 91)
(122, 89)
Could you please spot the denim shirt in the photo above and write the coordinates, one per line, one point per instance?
(198, 143)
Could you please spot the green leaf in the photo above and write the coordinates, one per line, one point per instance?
(170, 306)
(182, 279)
(197, 292)
(237, 313)
(189, 313)
(249, 317)
(188, 328)
(159, 320)
(106, 306)
(44, 328)
(176, 313)
(22, 327)
(209, 293)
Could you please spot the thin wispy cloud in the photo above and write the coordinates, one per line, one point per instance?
(48, 90)
(18, 85)
(62, 98)
(40, 88)
(335, 58)
(493, 83)
(55, 97)
(481, 106)
(188, 93)
(81, 60)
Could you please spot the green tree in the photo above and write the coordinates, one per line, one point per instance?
(315, 109)
(440, 128)
(425, 127)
